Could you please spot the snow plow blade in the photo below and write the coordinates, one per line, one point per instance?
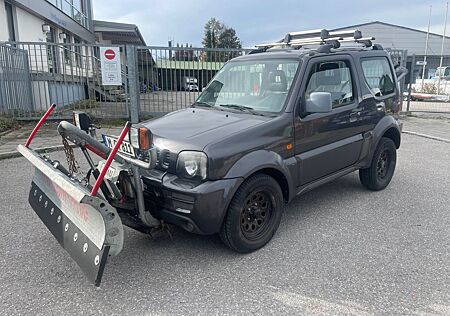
(86, 226)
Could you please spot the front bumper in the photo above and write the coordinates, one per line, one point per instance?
(198, 208)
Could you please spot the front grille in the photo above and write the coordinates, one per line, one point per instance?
(163, 159)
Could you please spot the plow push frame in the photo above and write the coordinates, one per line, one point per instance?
(84, 223)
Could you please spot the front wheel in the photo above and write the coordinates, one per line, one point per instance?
(379, 174)
(254, 214)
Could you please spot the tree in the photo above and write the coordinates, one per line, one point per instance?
(228, 39)
(218, 35)
(213, 29)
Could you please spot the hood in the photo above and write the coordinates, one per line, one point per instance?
(194, 128)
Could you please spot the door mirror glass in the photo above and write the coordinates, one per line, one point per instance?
(319, 102)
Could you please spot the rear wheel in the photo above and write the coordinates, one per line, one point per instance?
(254, 214)
(379, 174)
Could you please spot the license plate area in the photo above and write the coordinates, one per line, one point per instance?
(113, 171)
(125, 148)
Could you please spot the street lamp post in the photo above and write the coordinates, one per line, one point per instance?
(442, 50)
(426, 50)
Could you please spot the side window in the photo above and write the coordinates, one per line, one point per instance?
(333, 77)
(378, 75)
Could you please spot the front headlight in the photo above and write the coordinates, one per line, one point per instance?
(192, 165)
(133, 137)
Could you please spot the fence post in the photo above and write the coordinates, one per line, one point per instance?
(133, 79)
(403, 64)
(411, 78)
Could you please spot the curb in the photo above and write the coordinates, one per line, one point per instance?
(15, 154)
(427, 136)
(6, 132)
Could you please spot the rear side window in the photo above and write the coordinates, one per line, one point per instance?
(378, 74)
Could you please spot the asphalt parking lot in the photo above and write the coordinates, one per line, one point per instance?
(339, 250)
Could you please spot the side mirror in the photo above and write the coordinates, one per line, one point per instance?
(81, 120)
(319, 102)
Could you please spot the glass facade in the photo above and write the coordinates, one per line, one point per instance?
(76, 9)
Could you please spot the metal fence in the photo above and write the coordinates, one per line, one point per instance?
(35, 75)
(15, 84)
(171, 78)
(155, 80)
(399, 58)
(428, 87)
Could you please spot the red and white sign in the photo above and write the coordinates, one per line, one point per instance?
(111, 66)
(110, 54)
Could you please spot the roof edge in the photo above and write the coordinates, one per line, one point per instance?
(387, 24)
(120, 26)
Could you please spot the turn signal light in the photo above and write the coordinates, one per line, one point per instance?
(145, 138)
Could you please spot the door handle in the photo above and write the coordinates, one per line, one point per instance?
(354, 116)
(381, 106)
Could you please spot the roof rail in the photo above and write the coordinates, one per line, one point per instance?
(318, 37)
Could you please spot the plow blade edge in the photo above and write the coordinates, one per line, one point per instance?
(86, 226)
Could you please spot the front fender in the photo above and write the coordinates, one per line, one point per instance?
(268, 161)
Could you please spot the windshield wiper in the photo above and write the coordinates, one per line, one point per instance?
(242, 108)
(238, 107)
(199, 103)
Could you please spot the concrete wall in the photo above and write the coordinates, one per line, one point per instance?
(29, 27)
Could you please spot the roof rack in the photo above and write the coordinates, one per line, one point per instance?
(319, 37)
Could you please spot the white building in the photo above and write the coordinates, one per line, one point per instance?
(46, 20)
(52, 55)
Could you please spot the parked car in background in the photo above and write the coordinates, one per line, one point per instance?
(189, 84)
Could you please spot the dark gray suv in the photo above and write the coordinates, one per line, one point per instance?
(270, 126)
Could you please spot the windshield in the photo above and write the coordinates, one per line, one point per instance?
(261, 85)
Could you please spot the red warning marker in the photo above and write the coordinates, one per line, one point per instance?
(110, 54)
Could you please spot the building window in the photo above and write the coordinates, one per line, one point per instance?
(10, 22)
(52, 51)
(76, 9)
(78, 55)
(67, 8)
(67, 50)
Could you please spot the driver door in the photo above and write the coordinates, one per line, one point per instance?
(328, 142)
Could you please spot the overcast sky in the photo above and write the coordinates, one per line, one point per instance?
(258, 21)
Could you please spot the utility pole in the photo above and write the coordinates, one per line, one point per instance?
(426, 49)
(442, 50)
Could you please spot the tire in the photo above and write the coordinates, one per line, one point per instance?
(246, 229)
(379, 174)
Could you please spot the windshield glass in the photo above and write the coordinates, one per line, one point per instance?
(261, 85)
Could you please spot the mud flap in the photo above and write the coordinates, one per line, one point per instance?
(86, 226)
